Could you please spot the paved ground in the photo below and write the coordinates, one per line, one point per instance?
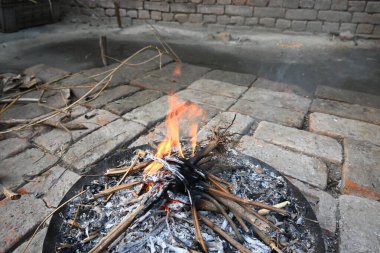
(328, 144)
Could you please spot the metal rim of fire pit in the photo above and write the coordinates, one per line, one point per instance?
(51, 239)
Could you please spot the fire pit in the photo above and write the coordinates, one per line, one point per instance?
(183, 199)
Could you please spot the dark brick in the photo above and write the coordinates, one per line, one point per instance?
(276, 3)
(131, 4)
(307, 3)
(376, 30)
(373, 7)
(322, 4)
(209, 1)
(236, 2)
(157, 6)
(239, 10)
(361, 17)
(224, 1)
(265, 12)
(341, 5)
(185, 8)
(335, 16)
(211, 9)
(301, 14)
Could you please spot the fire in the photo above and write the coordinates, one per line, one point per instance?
(180, 114)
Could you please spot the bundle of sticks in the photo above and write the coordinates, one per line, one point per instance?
(205, 191)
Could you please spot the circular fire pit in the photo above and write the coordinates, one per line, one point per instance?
(250, 178)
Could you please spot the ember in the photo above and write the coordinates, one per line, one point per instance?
(171, 201)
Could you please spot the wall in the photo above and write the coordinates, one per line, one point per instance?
(317, 16)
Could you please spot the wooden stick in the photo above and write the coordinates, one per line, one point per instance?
(249, 210)
(115, 189)
(103, 49)
(118, 171)
(106, 241)
(217, 185)
(117, 12)
(279, 205)
(198, 234)
(246, 201)
(229, 185)
(266, 239)
(233, 206)
(223, 234)
(225, 214)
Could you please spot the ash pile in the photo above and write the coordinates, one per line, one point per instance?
(186, 200)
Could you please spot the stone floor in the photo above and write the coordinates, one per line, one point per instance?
(328, 145)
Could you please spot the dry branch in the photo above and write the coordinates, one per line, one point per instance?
(115, 189)
(198, 234)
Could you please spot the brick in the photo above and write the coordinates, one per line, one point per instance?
(230, 77)
(299, 166)
(376, 30)
(12, 146)
(156, 15)
(251, 21)
(278, 99)
(335, 126)
(276, 3)
(339, 5)
(237, 20)
(325, 148)
(98, 144)
(110, 12)
(106, 4)
(19, 219)
(211, 9)
(307, 3)
(323, 204)
(224, 1)
(268, 112)
(209, 19)
(257, 2)
(143, 14)
(131, 4)
(272, 12)
(29, 163)
(220, 102)
(57, 140)
(127, 104)
(242, 124)
(46, 73)
(195, 18)
(268, 22)
(283, 24)
(181, 17)
(359, 224)
(346, 110)
(291, 3)
(353, 97)
(236, 2)
(356, 5)
(167, 16)
(239, 10)
(301, 14)
(298, 25)
(360, 173)
(157, 6)
(364, 28)
(218, 88)
(348, 27)
(209, 1)
(360, 17)
(280, 87)
(223, 20)
(334, 16)
(36, 245)
(314, 26)
(132, 13)
(182, 7)
(330, 27)
(373, 7)
(52, 185)
(110, 95)
(322, 4)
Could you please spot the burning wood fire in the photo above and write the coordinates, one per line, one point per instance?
(154, 189)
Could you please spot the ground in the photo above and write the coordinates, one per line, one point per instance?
(325, 139)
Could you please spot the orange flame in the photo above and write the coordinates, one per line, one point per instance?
(180, 114)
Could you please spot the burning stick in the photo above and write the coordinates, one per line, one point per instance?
(246, 201)
(223, 234)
